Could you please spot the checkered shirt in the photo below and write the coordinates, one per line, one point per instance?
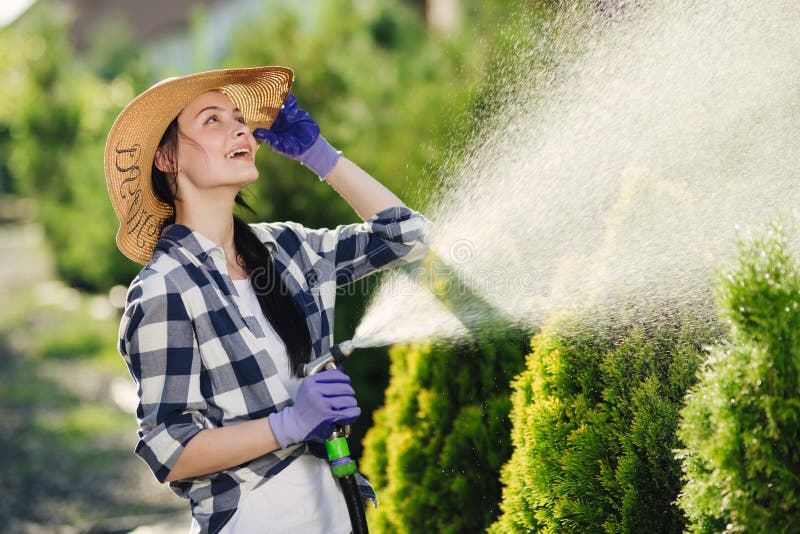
(198, 363)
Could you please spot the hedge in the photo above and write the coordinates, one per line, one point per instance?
(440, 439)
(594, 420)
(741, 424)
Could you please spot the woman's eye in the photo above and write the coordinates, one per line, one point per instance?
(241, 119)
(212, 118)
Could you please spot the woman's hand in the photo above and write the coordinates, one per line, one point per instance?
(323, 400)
(295, 134)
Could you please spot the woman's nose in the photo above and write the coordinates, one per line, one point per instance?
(241, 129)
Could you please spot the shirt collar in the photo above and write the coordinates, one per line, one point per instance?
(201, 246)
(195, 242)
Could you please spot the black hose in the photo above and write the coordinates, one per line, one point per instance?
(355, 505)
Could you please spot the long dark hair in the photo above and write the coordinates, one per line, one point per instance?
(274, 298)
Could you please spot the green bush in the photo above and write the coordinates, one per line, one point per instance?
(441, 437)
(594, 419)
(60, 117)
(741, 424)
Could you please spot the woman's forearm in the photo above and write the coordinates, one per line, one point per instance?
(217, 449)
(365, 194)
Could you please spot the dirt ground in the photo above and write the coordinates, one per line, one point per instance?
(66, 461)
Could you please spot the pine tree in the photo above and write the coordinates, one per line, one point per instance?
(440, 439)
(594, 419)
(741, 424)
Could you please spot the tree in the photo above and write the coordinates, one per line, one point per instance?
(61, 115)
(594, 420)
(741, 423)
(383, 90)
(441, 436)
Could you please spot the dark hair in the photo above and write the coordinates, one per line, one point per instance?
(274, 298)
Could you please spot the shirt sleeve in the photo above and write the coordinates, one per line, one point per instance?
(158, 344)
(391, 237)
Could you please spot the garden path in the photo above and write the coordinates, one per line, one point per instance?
(66, 464)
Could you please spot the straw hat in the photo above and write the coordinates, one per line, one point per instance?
(132, 142)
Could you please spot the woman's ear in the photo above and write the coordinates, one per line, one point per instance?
(163, 163)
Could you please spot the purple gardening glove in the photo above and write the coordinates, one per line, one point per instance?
(323, 399)
(295, 135)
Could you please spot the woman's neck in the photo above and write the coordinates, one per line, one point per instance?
(212, 216)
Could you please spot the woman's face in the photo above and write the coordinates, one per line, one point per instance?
(215, 147)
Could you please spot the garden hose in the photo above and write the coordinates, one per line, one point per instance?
(342, 466)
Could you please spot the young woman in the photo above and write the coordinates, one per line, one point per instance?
(220, 320)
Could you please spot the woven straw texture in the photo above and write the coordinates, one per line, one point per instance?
(132, 142)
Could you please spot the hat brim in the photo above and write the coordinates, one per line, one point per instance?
(132, 142)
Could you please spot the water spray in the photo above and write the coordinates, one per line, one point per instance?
(342, 466)
(618, 177)
(467, 310)
(455, 293)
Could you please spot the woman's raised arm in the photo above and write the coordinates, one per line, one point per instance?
(366, 195)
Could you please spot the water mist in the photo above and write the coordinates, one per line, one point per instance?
(621, 175)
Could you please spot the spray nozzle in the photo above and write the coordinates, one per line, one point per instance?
(337, 354)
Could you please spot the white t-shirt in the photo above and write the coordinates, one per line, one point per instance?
(304, 497)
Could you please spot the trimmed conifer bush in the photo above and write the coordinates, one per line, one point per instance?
(594, 419)
(741, 424)
(442, 436)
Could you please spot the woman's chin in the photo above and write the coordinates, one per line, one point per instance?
(249, 177)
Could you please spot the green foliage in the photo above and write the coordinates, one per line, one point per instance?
(385, 91)
(61, 114)
(381, 88)
(390, 95)
(594, 419)
(442, 436)
(741, 424)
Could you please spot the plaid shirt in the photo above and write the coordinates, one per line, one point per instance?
(199, 363)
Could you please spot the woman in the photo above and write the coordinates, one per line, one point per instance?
(224, 314)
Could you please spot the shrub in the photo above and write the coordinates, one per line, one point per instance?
(741, 424)
(58, 123)
(441, 437)
(594, 419)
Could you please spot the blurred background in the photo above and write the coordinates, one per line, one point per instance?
(681, 116)
(398, 85)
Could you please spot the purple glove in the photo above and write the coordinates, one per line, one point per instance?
(295, 135)
(322, 400)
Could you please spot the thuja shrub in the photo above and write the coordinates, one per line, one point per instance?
(439, 441)
(741, 424)
(594, 417)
